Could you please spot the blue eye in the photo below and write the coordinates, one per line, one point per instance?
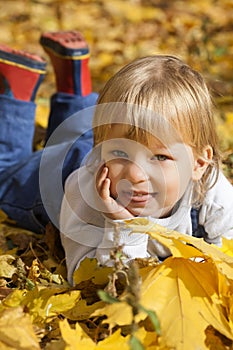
(160, 157)
(119, 154)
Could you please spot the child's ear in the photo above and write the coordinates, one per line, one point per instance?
(201, 163)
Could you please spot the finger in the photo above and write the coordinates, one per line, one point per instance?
(100, 177)
(105, 189)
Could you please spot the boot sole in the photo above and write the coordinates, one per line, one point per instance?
(68, 45)
(22, 59)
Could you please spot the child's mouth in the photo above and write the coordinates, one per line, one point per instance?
(137, 197)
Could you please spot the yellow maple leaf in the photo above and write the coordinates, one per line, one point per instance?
(227, 246)
(75, 338)
(179, 244)
(49, 302)
(43, 303)
(225, 287)
(184, 295)
(114, 342)
(170, 289)
(16, 331)
(14, 299)
(117, 314)
(81, 310)
(89, 270)
(150, 340)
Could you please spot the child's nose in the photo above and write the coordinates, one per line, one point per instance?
(135, 173)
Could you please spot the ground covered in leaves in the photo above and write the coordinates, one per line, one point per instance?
(148, 304)
(185, 302)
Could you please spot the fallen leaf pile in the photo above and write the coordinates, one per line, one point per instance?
(184, 302)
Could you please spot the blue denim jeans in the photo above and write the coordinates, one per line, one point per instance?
(20, 167)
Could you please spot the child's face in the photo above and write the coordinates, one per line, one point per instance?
(146, 180)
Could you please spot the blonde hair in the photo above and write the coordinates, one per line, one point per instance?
(169, 88)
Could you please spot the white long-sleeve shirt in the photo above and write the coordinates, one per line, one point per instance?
(86, 232)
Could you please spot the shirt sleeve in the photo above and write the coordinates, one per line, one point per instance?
(216, 214)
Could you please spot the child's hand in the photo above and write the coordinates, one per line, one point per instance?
(114, 209)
